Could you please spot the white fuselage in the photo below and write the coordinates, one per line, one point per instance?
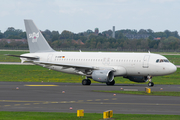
(124, 64)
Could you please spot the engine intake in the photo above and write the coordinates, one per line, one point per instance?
(103, 75)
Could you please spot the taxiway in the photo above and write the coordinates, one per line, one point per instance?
(59, 97)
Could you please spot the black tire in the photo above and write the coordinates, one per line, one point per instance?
(86, 82)
(110, 83)
(150, 84)
(89, 82)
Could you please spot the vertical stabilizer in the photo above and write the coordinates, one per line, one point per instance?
(36, 41)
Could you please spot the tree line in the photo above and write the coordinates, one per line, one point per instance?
(124, 39)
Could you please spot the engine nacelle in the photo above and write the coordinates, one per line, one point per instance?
(138, 79)
(103, 75)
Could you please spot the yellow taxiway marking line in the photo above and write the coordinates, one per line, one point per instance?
(105, 99)
(114, 98)
(40, 85)
(80, 100)
(17, 104)
(27, 104)
(132, 104)
(89, 100)
(45, 102)
(54, 102)
(98, 100)
(7, 105)
(35, 103)
(18, 101)
(63, 102)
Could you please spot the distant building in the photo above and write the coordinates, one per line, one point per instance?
(113, 34)
(96, 31)
(158, 38)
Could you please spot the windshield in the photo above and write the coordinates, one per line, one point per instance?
(162, 60)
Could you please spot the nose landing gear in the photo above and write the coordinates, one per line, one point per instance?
(150, 84)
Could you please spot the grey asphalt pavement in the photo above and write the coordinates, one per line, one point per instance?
(59, 97)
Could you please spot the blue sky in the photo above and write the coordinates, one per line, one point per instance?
(80, 15)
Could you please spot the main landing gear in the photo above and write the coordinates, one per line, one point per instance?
(86, 82)
(110, 83)
(150, 84)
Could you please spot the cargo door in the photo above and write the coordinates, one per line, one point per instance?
(49, 59)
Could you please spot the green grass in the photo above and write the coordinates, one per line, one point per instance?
(4, 58)
(73, 116)
(175, 59)
(157, 93)
(33, 73)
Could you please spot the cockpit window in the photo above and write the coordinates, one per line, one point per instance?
(162, 60)
(165, 60)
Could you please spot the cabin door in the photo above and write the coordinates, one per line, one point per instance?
(146, 61)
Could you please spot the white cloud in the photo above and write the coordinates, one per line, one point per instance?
(162, 1)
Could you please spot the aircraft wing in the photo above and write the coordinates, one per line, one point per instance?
(67, 65)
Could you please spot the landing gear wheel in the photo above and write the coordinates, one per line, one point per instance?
(150, 84)
(86, 82)
(110, 83)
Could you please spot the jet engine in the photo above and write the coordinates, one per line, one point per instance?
(103, 75)
(138, 79)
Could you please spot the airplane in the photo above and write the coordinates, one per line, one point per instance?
(100, 66)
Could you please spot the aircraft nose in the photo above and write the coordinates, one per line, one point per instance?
(173, 68)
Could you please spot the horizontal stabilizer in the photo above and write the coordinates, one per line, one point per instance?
(33, 58)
